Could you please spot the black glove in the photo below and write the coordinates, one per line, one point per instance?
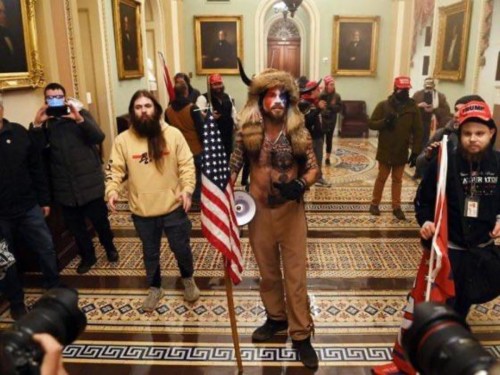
(292, 190)
(412, 160)
(390, 120)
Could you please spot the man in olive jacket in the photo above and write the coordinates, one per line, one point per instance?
(398, 121)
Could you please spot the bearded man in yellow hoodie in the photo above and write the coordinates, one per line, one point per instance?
(159, 165)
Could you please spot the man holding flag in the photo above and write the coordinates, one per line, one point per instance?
(469, 193)
(282, 165)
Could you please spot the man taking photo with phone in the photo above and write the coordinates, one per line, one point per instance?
(69, 136)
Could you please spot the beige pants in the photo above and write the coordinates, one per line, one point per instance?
(396, 172)
(279, 234)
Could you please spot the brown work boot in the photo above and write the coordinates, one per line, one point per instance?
(151, 301)
(399, 214)
(191, 291)
(374, 210)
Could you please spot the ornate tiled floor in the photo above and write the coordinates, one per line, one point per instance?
(360, 268)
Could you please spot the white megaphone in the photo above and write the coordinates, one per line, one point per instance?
(244, 206)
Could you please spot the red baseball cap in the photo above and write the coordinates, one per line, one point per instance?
(402, 82)
(476, 111)
(215, 78)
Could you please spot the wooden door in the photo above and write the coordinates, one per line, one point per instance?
(284, 55)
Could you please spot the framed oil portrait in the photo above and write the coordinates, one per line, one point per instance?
(355, 45)
(128, 38)
(453, 41)
(218, 42)
(19, 59)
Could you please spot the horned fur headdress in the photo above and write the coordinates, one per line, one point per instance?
(252, 127)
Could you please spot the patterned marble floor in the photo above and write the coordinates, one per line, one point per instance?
(360, 268)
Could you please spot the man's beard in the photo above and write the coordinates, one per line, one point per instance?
(274, 118)
(217, 92)
(476, 157)
(147, 126)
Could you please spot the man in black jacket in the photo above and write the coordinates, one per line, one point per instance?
(223, 110)
(24, 204)
(76, 172)
(473, 203)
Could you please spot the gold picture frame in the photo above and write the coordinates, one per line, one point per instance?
(128, 38)
(218, 41)
(20, 65)
(355, 45)
(453, 40)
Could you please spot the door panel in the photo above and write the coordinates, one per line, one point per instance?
(284, 55)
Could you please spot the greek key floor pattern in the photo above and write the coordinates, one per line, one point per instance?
(167, 354)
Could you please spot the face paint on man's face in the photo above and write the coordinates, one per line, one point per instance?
(275, 98)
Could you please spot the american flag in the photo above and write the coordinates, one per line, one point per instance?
(218, 215)
(432, 283)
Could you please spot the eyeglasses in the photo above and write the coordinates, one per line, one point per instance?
(55, 97)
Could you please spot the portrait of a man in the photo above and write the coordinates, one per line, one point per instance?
(356, 52)
(12, 43)
(452, 39)
(218, 44)
(127, 15)
(355, 46)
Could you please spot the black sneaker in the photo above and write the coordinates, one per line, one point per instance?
(307, 354)
(85, 265)
(327, 162)
(18, 310)
(269, 329)
(112, 255)
(374, 210)
(399, 214)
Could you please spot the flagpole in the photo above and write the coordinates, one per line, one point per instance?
(232, 317)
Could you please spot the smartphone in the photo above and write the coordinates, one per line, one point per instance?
(57, 111)
(428, 97)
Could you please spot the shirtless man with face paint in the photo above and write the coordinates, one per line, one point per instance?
(282, 165)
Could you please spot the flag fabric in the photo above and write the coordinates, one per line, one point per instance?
(218, 214)
(166, 77)
(441, 287)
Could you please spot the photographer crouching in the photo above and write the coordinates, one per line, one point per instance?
(33, 345)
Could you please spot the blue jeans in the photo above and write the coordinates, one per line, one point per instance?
(177, 228)
(33, 229)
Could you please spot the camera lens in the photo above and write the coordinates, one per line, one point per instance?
(57, 314)
(439, 342)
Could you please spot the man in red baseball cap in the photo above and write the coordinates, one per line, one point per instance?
(398, 121)
(223, 110)
(473, 203)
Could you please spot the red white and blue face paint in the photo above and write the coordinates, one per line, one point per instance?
(275, 98)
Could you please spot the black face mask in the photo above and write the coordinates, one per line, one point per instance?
(402, 95)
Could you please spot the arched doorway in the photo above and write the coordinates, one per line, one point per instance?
(283, 47)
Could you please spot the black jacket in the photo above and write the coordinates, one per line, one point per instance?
(463, 231)
(76, 172)
(23, 182)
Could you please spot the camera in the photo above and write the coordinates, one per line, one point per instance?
(440, 342)
(57, 314)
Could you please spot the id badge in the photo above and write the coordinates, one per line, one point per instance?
(471, 207)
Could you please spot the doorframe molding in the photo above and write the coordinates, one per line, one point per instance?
(312, 11)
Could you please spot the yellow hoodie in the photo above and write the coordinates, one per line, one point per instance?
(151, 192)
